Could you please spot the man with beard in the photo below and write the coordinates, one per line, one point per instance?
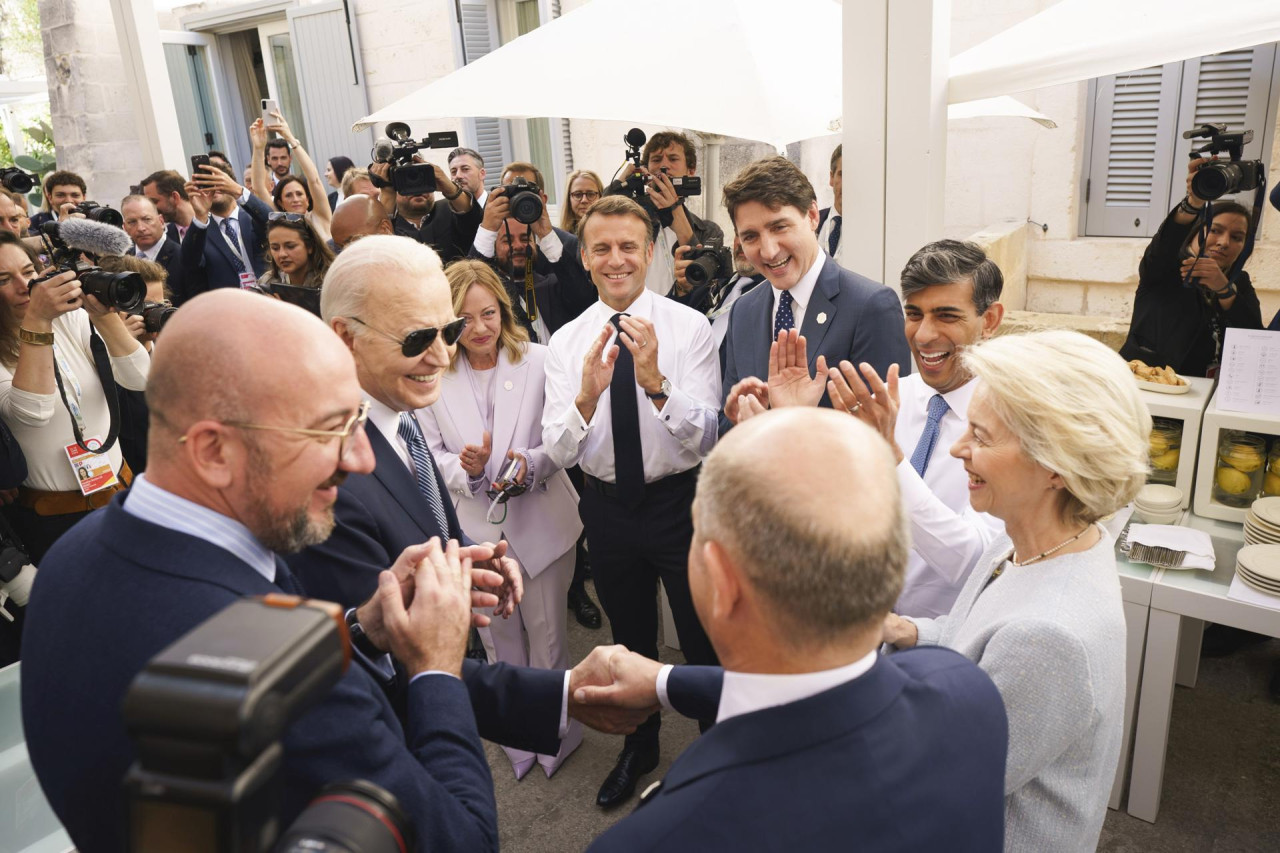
(168, 191)
(256, 419)
(716, 297)
(279, 160)
(466, 168)
(447, 225)
(223, 248)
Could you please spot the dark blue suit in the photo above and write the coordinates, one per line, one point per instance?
(115, 590)
(207, 260)
(170, 258)
(378, 516)
(910, 756)
(849, 317)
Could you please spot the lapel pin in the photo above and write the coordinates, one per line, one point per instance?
(822, 318)
(508, 385)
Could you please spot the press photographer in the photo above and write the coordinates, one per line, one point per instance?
(59, 366)
(660, 178)
(1191, 282)
(408, 186)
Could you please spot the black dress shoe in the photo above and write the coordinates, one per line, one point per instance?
(620, 784)
(584, 609)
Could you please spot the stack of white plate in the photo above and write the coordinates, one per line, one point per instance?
(1259, 567)
(1157, 504)
(1262, 522)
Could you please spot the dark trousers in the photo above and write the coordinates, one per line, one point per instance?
(631, 550)
(578, 584)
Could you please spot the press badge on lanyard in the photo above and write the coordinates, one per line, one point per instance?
(93, 470)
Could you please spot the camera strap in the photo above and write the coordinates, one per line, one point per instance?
(102, 363)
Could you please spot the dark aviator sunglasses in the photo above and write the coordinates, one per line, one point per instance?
(419, 341)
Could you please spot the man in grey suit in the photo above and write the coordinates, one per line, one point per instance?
(840, 314)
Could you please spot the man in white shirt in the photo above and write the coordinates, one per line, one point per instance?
(820, 743)
(950, 293)
(831, 218)
(632, 389)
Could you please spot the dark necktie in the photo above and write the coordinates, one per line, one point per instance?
(784, 319)
(628, 458)
(929, 437)
(286, 580)
(833, 241)
(424, 470)
(229, 229)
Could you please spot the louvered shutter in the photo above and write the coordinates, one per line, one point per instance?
(479, 36)
(326, 57)
(566, 139)
(1232, 88)
(1134, 116)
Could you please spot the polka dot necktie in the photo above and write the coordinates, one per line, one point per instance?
(833, 239)
(924, 447)
(784, 319)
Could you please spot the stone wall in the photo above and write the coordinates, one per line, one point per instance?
(94, 124)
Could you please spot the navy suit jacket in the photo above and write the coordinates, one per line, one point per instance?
(116, 590)
(861, 320)
(910, 756)
(207, 260)
(170, 258)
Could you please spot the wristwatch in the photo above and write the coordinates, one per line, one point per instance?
(359, 638)
(663, 391)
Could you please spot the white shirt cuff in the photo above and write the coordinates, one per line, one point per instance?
(244, 197)
(432, 672)
(663, 675)
(486, 241)
(564, 707)
(196, 223)
(551, 247)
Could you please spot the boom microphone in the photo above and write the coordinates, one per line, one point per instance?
(383, 149)
(89, 236)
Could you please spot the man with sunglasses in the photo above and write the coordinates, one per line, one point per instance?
(557, 288)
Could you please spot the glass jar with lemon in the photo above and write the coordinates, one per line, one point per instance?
(1238, 477)
(1166, 450)
(1271, 482)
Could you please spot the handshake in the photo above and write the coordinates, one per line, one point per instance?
(423, 611)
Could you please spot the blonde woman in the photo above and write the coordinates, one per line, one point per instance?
(1057, 439)
(490, 414)
(584, 190)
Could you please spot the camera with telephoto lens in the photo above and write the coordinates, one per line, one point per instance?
(154, 315)
(100, 213)
(635, 183)
(526, 203)
(206, 716)
(398, 149)
(125, 291)
(15, 180)
(1215, 179)
(712, 261)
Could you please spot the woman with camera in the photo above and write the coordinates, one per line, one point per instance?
(487, 422)
(305, 195)
(51, 351)
(296, 255)
(1183, 327)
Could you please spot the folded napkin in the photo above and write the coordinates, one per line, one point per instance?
(1196, 543)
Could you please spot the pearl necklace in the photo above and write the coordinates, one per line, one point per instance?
(1013, 558)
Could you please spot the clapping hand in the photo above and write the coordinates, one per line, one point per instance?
(877, 407)
(789, 381)
(502, 576)
(597, 373)
(474, 457)
(430, 633)
(736, 409)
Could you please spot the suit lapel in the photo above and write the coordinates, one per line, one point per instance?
(762, 308)
(457, 405)
(821, 305)
(506, 407)
(393, 474)
(218, 239)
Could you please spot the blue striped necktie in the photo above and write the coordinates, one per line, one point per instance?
(920, 458)
(229, 228)
(424, 470)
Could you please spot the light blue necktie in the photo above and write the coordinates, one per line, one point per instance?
(424, 469)
(920, 458)
(784, 319)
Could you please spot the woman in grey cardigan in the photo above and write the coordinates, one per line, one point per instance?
(1057, 439)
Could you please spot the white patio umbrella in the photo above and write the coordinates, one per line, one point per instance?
(755, 70)
(1081, 39)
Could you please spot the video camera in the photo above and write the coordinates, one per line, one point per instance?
(15, 180)
(65, 241)
(711, 261)
(1214, 180)
(398, 149)
(526, 202)
(207, 715)
(634, 185)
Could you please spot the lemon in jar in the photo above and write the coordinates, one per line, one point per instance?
(1167, 461)
(1159, 445)
(1271, 483)
(1243, 459)
(1233, 482)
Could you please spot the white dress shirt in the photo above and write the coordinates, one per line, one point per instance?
(747, 692)
(387, 422)
(720, 316)
(800, 293)
(150, 254)
(662, 270)
(947, 535)
(673, 438)
(824, 234)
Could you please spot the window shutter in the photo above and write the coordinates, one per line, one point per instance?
(566, 139)
(479, 36)
(1134, 116)
(1232, 88)
(327, 59)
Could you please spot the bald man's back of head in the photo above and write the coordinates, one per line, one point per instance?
(229, 354)
(807, 502)
(357, 215)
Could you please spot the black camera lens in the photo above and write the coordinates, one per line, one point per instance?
(702, 270)
(125, 291)
(98, 213)
(155, 315)
(526, 207)
(16, 181)
(1214, 180)
(350, 817)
